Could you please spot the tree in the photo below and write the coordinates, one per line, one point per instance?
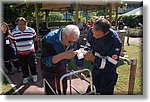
(28, 13)
(10, 12)
(55, 16)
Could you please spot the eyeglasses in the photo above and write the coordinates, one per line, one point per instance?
(71, 42)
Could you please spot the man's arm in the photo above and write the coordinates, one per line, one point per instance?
(49, 56)
(48, 52)
(64, 55)
(111, 59)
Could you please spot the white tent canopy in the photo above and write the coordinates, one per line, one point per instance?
(137, 11)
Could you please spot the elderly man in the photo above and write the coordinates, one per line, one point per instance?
(57, 49)
(104, 46)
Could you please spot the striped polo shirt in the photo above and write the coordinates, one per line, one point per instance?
(24, 40)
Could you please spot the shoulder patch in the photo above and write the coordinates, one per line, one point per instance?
(115, 56)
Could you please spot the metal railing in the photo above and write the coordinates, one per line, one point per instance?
(92, 87)
(70, 74)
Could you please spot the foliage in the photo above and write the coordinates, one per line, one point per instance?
(58, 24)
(6, 88)
(27, 13)
(55, 16)
(127, 20)
(103, 10)
(11, 12)
(135, 32)
(130, 20)
(41, 15)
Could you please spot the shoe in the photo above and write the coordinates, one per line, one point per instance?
(34, 78)
(25, 80)
(19, 70)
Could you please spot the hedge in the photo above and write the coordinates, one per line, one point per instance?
(52, 24)
(130, 20)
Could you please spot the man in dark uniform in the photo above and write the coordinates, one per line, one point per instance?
(105, 46)
(57, 49)
(43, 30)
(120, 23)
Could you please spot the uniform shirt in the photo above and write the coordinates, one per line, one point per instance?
(24, 40)
(51, 46)
(8, 45)
(43, 31)
(7, 42)
(120, 25)
(106, 51)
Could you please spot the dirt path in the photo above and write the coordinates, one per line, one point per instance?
(29, 88)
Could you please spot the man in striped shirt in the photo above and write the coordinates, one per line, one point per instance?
(24, 40)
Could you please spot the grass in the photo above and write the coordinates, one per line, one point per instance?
(6, 87)
(132, 51)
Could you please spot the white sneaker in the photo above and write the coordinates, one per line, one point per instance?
(25, 80)
(34, 78)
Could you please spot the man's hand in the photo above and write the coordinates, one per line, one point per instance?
(64, 55)
(89, 56)
(69, 54)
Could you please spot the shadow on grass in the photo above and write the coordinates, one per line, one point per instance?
(120, 63)
(9, 92)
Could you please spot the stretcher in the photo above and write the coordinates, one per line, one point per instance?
(77, 85)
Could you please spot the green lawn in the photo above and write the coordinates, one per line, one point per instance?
(6, 87)
(132, 51)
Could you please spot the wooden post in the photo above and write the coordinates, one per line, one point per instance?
(66, 17)
(36, 17)
(77, 13)
(110, 13)
(121, 34)
(46, 17)
(86, 7)
(132, 76)
(128, 35)
(116, 19)
(70, 77)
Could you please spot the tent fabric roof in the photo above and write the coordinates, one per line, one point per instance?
(137, 11)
